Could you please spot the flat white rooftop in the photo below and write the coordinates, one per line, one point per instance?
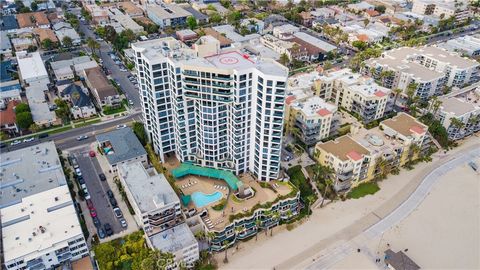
(40, 222)
(29, 171)
(174, 239)
(31, 65)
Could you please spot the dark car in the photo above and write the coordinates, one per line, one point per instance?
(110, 193)
(108, 229)
(80, 179)
(89, 204)
(102, 177)
(101, 233)
(3, 145)
(113, 202)
(96, 222)
(43, 135)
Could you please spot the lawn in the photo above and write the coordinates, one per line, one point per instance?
(62, 129)
(298, 179)
(81, 124)
(109, 110)
(363, 189)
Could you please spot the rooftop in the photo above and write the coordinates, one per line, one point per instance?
(30, 65)
(174, 239)
(168, 11)
(78, 97)
(43, 34)
(458, 106)
(322, 45)
(150, 192)
(5, 41)
(7, 116)
(314, 106)
(400, 261)
(120, 145)
(230, 33)
(224, 41)
(405, 124)
(38, 105)
(44, 172)
(40, 221)
(8, 22)
(96, 77)
(32, 19)
(344, 148)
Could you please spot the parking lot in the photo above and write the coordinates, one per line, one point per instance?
(97, 189)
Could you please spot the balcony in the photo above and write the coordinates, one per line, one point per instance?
(222, 78)
(344, 176)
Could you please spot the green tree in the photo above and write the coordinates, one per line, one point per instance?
(225, 244)
(139, 130)
(22, 107)
(3, 136)
(34, 6)
(380, 9)
(192, 22)
(215, 18)
(34, 128)
(67, 41)
(110, 33)
(284, 60)
(47, 44)
(396, 92)
(128, 35)
(24, 120)
(233, 17)
(62, 111)
(411, 91)
(360, 45)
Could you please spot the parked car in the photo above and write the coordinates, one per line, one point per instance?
(118, 213)
(108, 229)
(73, 162)
(121, 126)
(130, 102)
(123, 222)
(89, 204)
(78, 172)
(101, 233)
(16, 142)
(92, 153)
(113, 202)
(93, 213)
(96, 222)
(31, 139)
(110, 194)
(3, 145)
(102, 177)
(86, 194)
(43, 135)
(80, 180)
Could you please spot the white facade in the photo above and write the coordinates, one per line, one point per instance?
(469, 45)
(31, 68)
(223, 111)
(443, 8)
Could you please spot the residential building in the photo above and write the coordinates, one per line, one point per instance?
(167, 15)
(399, 261)
(103, 91)
(63, 29)
(124, 20)
(459, 113)
(50, 235)
(8, 122)
(10, 90)
(360, 6)
(291, 49)
(5, 45)
(443, 9)
(42, 34)
(186, 35)
(121, 146)
(31, 68)
(157, 209)
(467, 45)
(285, 30)
(130, 9)
(8, 23)
(67, 69)
(358, 94)
(316, 48)
(365, 154)
(199, 16)
(33, 20)
(309, 117)
(224, 41)
(99, 14)
(230, 32)
(81, 104)
(253, 25)
(189, 101)
(431, 68)
(22, 44)
(41, 114)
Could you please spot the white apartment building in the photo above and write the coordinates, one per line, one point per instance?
(430, 67)
(40, 227)
(443, 8)
(31, 68)
(312, 117)
(285, 30)
(221, 111)
(354, 92)
(469, 45)
(157, 210)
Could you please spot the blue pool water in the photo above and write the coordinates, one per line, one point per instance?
(201, 199)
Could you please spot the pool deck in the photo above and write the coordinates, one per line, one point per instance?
(220, 219)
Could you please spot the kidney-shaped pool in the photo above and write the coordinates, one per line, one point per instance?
(201, 199)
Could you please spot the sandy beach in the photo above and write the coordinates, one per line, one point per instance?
(335, 224)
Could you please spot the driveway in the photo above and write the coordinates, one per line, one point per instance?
(97, 189)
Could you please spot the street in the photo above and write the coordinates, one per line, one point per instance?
(131, 93)
(97, 190)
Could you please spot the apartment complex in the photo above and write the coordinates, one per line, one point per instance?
(469, 45)
(40, 227)
(222, 110)
(459, 113)
(157, 210)
(309, 117)
(31, 68)
(167, 15)
(443, 9)
(366, 154)
(356, 93)
(431, 68)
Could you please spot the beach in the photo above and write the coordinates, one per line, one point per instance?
(342, 223)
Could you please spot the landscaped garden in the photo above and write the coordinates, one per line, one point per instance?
(363, 189)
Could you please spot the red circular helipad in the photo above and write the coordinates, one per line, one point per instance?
(228, 60)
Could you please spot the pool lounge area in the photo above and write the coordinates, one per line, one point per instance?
(201, 199)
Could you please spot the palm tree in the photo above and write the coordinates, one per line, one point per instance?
(411, 89)
(210, 236)
(397, 92)
(289, 213)
(92, 44)
(436, 103)
(257, 224)
(456, 123)
(284, 60)
(267, 214)
(275, 216)
(414, 150)
(237, 231)
(34, 128)
(382, 166)
(225, 244)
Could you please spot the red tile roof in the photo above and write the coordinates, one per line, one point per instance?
(290, 99)
(379, 94)
(372, 12)
(417, 129)
(362, 37)
(323, 112)
(354, 155)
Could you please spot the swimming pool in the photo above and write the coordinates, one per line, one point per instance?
(201, 199)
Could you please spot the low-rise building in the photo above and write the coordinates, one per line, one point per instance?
(103, 91)
(33, 20)
(50, 234)
(10, 90)
(167, 15)
(23, 44)
(67, 69)
(81, 104)
(124, 20)
(5, 45)
(99, 14)
(468, 45)
(316, 48)
(63, 29)
(285, 30)
(121, 146)
(230, 32)
(365, 154)
(42, 34)
(157, 210)
(443, 9)
(41, 113)
(309, 117)
(459, 113)
(186, 35)
(8, 23)
(358, 94)
(8, 118)
(253, 25)
(31, 68)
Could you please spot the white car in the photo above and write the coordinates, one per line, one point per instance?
(78, 172)
(121, 126)
(29, 139)
(16, 142)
